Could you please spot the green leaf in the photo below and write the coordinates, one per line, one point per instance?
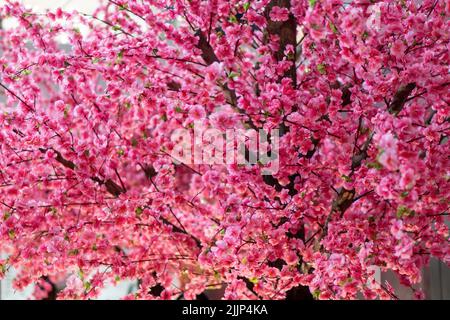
(87, 285)
(119, 57)
(312, 3)
(178, 109)
(11, 234)
(253, 280)
(246, 6)
(316, 294)
(233, 75)
(74, 252)
(402, 211)
(365, 35)
(374, 165)
(333, 28)
(233, 19)
(66, 111)
(6, 215)
(322, 68)
(138, 211)
(26, 72)
(116, 28)
(346, 178)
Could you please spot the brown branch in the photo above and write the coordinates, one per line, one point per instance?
(286, 31)
(207, 54)
(358, 158)
(112, 187)
(66, 163)
(250, 286)
(179, 230)
(400, 98)
(343, 201)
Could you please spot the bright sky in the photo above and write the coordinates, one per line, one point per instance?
(40, 6)
(85, 6)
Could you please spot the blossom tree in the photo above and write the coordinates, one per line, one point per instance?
(90, 192)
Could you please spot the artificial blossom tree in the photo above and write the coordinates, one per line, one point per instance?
(90, 192)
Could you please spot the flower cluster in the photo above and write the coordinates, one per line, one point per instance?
(90, 193)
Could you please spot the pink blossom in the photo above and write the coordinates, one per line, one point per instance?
(213, 72)
(397, 48)
(279, 14)
(404, 249)
(60, 105)
(389, 159)
(197, 112)
(74, 283)
(397, 229)
(408, 178)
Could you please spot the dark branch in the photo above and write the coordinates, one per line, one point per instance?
(400, 98)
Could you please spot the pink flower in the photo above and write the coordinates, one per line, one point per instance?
(50, 154)
(388, 141)
(197, 112)
(389, 160)
(74, 283)
(408, 179)
(222, 120)
(398, 48)
(213, 72)
(60, 105)
(291, 258)
(397, 229)
(221, 244)
(279, 14)
(388, 157)
(404, 250)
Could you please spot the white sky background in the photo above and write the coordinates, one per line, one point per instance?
(41, 6)
(85, 6)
